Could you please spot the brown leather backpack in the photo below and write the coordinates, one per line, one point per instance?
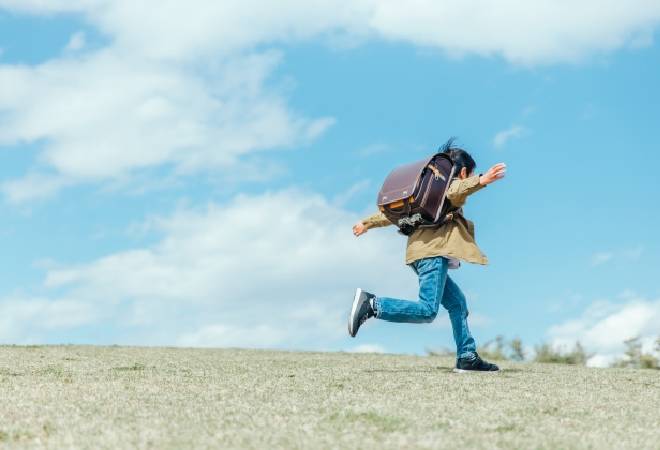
(413, 195)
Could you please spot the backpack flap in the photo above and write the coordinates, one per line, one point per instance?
(414, 195)
(400, 184)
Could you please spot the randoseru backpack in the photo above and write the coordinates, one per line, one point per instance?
(413, 196)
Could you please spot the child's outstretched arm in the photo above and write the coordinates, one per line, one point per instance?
(457, 193)
(494, 173)
(373, 221)
(460, 189)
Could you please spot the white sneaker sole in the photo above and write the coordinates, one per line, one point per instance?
(358, 293)
(475, 371)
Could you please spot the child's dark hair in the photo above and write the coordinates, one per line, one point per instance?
(459, 157)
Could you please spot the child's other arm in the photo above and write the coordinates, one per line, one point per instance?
(459, 190)
(373, 221)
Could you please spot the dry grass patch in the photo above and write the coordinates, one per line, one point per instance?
(169, 398)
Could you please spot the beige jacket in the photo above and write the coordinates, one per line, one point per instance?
(454, 239)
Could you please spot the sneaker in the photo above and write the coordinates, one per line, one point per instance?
(361, 311)
(475, 364)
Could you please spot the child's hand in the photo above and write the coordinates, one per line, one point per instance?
(359, 228)
(494, 173)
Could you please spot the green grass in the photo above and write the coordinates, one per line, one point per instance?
(117, 397)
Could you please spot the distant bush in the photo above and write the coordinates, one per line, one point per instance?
(494, 349)
(546, 353)
(517, 350)
(514, 350)
(442, 352)
(635, 358)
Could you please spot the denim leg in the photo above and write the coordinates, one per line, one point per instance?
(454, 302)
(432, 273)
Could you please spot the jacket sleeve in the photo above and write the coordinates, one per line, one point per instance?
(376, 220)
(459, 190)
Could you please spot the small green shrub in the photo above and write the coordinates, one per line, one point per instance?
(514, 350)
(494, 349)
(546, 353)
(635, 358)
(517, 350)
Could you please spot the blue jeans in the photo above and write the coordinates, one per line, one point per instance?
(435, 288)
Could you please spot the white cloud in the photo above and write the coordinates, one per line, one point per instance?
(631, 254)
(274, 270)
(33, 186)
(77, 42)
(343, 197)
(479, 320)
(600, 258)
(234, 336)
(604, 326)
(106, 117)
(25, 319)
(186, 89)
(368, 348)
(522, 32)
(504, 136)
(372, 149)
(634, 253)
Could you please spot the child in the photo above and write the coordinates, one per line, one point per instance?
(430, 252)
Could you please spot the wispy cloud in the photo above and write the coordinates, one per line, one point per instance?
(528, 110)
(604, 326)
(504, 136)
(343, 197)
(188, 90)
(368, 348)
(220, 277)
(631, 254)
(514, 30)
(634, 254)
(27, 319)
(600, 258)
(33, 186)
(76, 42)
(114, 115)
(373, 149)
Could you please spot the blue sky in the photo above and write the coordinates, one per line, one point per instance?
(125, 159)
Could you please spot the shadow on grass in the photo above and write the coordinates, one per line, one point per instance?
(408, 370)
(134, 368)
(437, 369)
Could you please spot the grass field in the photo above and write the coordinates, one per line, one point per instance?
(167, 398)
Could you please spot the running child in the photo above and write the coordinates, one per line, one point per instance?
(430, 253)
